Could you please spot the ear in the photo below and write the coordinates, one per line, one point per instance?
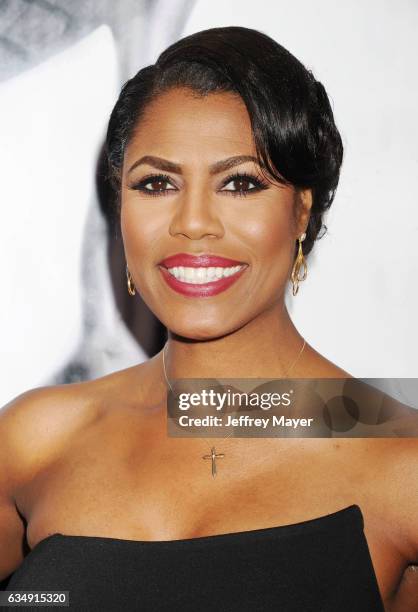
(304, 202)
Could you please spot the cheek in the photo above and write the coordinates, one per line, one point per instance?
(139, 227)
(268, 233)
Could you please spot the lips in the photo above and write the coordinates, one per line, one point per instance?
(200, 275)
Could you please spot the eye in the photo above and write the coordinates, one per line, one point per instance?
(235, 184)
(241, 184)
(154, 185)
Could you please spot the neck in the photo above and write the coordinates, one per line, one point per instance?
(266, 347)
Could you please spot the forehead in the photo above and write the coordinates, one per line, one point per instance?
(181, 124)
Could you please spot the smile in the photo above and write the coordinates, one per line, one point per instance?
(201, 276)
(201, 281)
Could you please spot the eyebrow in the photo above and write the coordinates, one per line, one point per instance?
(169, 166)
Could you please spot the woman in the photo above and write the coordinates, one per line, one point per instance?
(224, 154)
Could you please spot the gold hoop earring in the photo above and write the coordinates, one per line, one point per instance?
(300, 262)
(131, 286)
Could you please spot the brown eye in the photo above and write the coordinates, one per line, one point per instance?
(243, 184)
(156, 185)
(240, 184)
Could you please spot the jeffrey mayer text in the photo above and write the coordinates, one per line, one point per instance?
(244, 421)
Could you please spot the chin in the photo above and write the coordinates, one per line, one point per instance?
(197, 332)
(211, 330)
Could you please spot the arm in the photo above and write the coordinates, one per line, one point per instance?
(12, 532)
(12, 527)
(407, 594)
(34, 429)
(407, 498)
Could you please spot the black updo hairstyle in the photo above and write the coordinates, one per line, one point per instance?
(295, 135)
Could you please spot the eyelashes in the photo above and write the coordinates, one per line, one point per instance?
(153, 178)
(258, 183)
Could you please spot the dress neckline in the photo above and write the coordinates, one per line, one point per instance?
(351, 513)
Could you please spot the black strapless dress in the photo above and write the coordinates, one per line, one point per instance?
(319, 565)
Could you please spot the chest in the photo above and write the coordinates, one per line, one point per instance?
(165, 488)
(111, 487)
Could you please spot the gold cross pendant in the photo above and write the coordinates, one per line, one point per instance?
(214, 457)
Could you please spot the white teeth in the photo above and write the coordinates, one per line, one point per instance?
(199, 276)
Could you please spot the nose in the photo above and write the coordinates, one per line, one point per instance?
(195, 216)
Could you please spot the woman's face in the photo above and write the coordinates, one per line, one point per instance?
(184, 199)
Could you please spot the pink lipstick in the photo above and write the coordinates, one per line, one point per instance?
(200, 275)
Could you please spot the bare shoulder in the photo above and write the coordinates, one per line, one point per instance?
(37, 428)
(35, 424)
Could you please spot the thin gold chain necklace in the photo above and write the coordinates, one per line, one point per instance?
(213, 454)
